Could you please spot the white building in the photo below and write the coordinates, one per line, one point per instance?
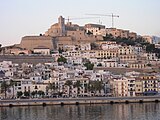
(131, 86)
(7, 68)
(109, 46)
(42, 50)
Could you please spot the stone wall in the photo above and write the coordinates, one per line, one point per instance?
(27, 59)
(30, 42)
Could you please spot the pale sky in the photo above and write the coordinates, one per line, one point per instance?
(19, 18)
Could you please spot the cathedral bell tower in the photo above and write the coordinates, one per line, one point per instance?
(61, 22)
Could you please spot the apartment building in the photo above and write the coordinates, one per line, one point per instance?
(131, 86)
(120, 87)
(150, 84)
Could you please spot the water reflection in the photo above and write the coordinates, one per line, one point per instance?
(136, 111)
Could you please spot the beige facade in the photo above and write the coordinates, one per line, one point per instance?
(124, 50)
(17, 51)
(81, 36)
(82, 54)
(120, 87)
(137, 65)
(111, 63)
(133, 35)
(58, 29)
(111, 53)
(118, 32)
(131, 58)
(138, 87)
(148, 39)
(94, 28)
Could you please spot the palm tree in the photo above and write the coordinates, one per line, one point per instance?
(69, 83)
(95, 86)
(98, 86)
(12, 84)
(52, 87)
(4, 88)
(91, 87)
(77, 85)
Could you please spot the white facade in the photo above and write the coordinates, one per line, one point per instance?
(7, 68)
(109, 46)
(74, 60)
(27, 85)
(43, 51)
(131, 86)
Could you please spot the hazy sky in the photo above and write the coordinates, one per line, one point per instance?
(32, 17)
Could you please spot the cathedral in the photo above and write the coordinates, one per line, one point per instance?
(58, 35)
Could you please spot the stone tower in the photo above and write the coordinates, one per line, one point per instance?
(61, 23)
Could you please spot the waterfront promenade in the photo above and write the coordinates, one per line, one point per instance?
(77, 101)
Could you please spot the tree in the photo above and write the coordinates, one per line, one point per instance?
(26, 93)
(150, 48)
(91, 86)
(77, 85)
(60, 50)
(4, 87)
(62, 59)
(19, 94)
(40, 93)
(98, 85)
(89, 65)
(108, 37)
(69, 83)
(94, 46)
(52, 87)
(95, 86)
(33, 93)
(99, 64)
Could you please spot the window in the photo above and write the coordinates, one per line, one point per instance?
(36, 87)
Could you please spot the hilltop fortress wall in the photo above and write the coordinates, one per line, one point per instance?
(58, 35)
(31, 42)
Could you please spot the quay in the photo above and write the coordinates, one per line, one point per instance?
(77, 101)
